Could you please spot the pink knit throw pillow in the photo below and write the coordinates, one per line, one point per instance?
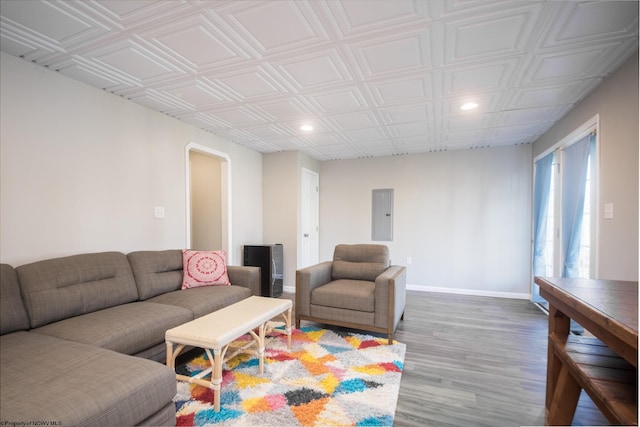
(204, 268)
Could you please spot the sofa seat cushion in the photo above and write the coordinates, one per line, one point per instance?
(46, 378)
(203, 300)
(347, 294)
(128, 328)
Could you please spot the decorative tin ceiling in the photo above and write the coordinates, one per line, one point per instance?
(373, 77)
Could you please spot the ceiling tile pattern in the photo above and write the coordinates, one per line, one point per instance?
(374, 77)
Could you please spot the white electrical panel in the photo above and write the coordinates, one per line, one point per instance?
(382, 215)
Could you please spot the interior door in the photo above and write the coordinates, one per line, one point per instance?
(309, 239)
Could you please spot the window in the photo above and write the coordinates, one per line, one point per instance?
(586, 262)
(586, 265)
(564, 209)
(550, 235)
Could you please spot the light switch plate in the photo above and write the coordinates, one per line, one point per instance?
(608, 211)
(158, 212)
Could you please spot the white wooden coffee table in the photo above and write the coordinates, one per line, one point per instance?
(214, 332)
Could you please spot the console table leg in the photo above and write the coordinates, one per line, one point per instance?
(565, 400)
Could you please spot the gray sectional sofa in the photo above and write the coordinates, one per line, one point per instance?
(82, 337)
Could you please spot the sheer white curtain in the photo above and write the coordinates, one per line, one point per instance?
(574, 177)
(541, 190)
(570, 188)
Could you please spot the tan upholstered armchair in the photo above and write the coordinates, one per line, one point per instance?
(358, 290)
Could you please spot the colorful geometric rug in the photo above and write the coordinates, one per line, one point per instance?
(327, 378)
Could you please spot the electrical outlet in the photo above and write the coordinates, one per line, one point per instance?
(409, 260)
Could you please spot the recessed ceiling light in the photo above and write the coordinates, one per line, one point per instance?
(469, 106)
(306, 128)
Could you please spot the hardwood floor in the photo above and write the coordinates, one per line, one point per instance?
(475, 361)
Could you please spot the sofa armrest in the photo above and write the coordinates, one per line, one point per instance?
(246, 276)
(307, 279)
(391, 295)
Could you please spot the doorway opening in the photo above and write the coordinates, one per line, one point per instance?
(208, 199)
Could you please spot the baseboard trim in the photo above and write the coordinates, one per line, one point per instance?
(471, 292)
(458, 291)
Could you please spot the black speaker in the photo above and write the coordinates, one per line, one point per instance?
(270, 260)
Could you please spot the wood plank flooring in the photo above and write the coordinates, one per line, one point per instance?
(475, 361)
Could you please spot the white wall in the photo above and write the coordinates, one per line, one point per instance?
(464, 217)
(615, 101)
(82, 170)
(280, 207)
(282, 175)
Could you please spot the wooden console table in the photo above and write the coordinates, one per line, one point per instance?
(606, 366)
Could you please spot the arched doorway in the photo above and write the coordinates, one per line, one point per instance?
(208, 177)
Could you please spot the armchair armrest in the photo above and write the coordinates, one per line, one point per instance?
(245, 276)
(391, 295)
(307, 279)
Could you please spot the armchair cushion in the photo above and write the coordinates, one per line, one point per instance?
(359, 262)
(356, 295)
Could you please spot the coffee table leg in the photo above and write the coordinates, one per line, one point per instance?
(171, 360)
(286, 315)
(216, 376)
(287, 318)
(173, 355)
(261, 346)
(259, 339)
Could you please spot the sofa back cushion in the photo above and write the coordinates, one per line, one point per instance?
(156, 272)
(13, 316)
(359, 262)
(59, 288)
